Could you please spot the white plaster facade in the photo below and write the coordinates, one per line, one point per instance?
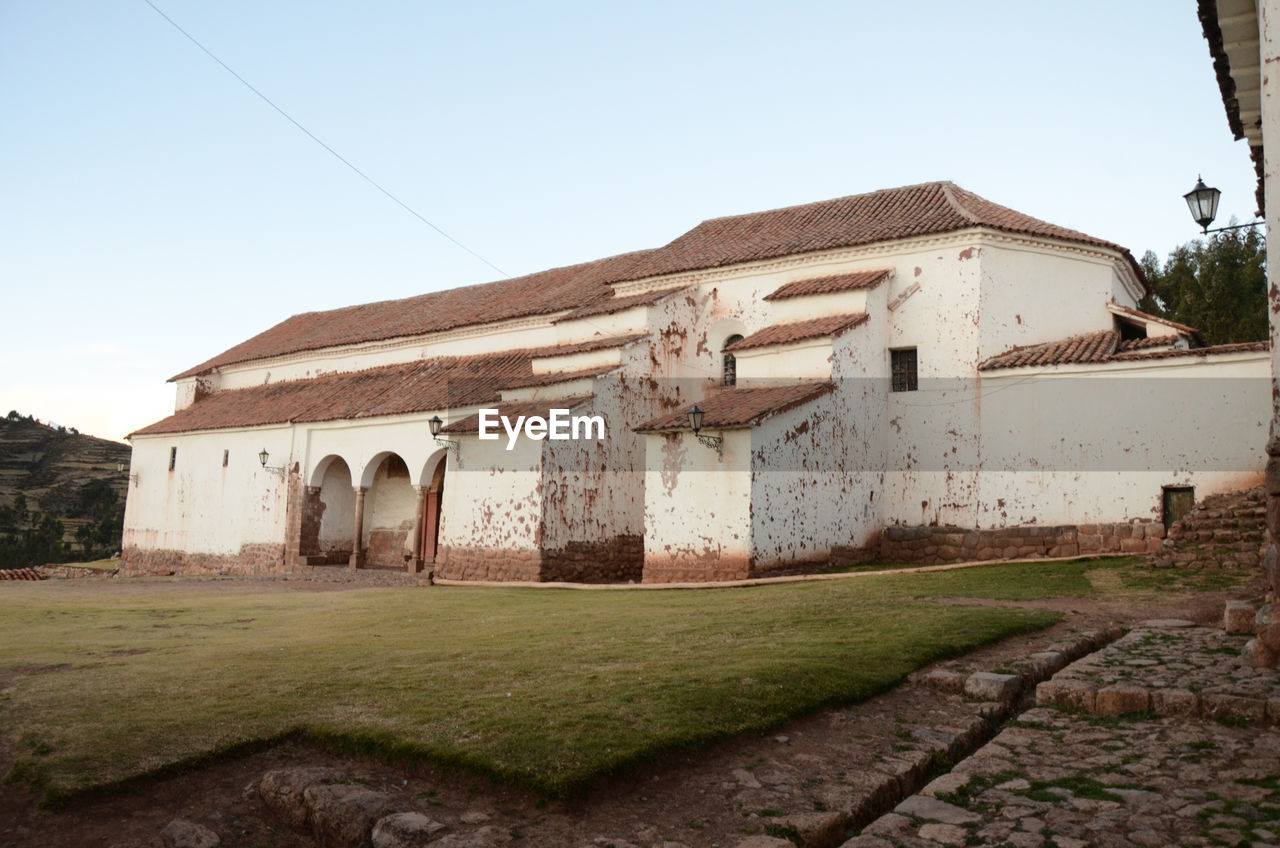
(819, 455)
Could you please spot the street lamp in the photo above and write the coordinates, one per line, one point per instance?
(263, 456)
(448, 444)
(1203, 203)
(716, 443)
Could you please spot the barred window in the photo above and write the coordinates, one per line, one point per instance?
(731, 362)
(904, 370)
(173, 457)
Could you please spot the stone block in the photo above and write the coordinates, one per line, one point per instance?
(945, 784)
(945, 680)
(1090, 543)
(1155, 531)
(1257, 655)
(762, 841)
(1072, 694)
(931, 809)
(1220, 705)
(988, 686)
(1237, 617)
(184, 834)
(343, 815)
(816, 830)
(1179, 703)
(405, 830)
(282, 791)
(1045, 664)
(1266, 623)
(1120, 698)
(1133, 546)
(944, 834)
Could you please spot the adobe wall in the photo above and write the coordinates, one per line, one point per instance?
(956, 544)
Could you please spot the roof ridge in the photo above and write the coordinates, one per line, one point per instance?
(815, 203)
(948, 192)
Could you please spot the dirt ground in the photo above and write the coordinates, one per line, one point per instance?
(713, 796)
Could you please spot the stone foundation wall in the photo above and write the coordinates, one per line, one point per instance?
(387, 547)
(454, 563)
(71, 572)
(1222, 531)
(311, 513)
(695, 570)
(619, 560)
(257, 558)
(956, 544)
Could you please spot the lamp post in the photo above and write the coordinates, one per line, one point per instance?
(715, 443)
(448, 444)
(1203, 203)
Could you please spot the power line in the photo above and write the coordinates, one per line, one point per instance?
(313, 137)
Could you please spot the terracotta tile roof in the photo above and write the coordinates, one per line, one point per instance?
(471, 424)
(834, 283)
(778, 334)
(885, 215)
(1173, 353)
(1149, 342)
(919, 210)
(20, 574)
(611, 305)
(550, 379)
(1105, 346)
(420, 386)
(543, 293)
(738, 407)
(1090, 347)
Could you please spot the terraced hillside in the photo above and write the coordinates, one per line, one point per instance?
(52, 474)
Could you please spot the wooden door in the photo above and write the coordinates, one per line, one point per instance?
(1178, 501)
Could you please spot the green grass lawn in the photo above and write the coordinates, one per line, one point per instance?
(547, 688)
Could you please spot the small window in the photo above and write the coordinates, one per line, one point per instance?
(904, 370)
(730, 366)
(173, 457)
(1130, 329)
(225, 455)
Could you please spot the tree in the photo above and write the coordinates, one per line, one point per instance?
(1217, 285)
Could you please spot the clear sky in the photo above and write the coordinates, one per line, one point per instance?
(154, 212)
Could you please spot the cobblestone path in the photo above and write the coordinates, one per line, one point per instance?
(1070, 774)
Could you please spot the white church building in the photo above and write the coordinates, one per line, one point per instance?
(912, 373)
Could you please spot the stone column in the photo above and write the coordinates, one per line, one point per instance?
(357, 554)
(415, 562)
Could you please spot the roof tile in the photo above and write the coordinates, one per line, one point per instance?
(886, 215)
(779, 334)
(731, 408)
(834, 283)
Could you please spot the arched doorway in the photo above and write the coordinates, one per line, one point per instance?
(328, 514)
(390, 508)
(432, 500)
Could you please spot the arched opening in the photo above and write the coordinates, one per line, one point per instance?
(432, 500)
(328, 514)
(729, 366)
(390, 505)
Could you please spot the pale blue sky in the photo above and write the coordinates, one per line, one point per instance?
(155, 212)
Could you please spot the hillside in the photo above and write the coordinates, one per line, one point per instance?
(61, 496)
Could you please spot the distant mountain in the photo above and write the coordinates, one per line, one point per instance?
(61, 497)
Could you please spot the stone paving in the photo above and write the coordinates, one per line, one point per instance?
(1061, 775)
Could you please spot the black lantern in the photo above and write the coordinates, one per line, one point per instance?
(716, 443)
(435, 423)
(263, 456)
(1203, 203)
(695, 419)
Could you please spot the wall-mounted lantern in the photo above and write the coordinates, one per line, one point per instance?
(716, 443)
(263, 456)
(133, 478)
(1203, 203)
(435, 424)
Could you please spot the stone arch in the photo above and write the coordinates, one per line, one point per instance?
(390, 509)
(332, 494)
